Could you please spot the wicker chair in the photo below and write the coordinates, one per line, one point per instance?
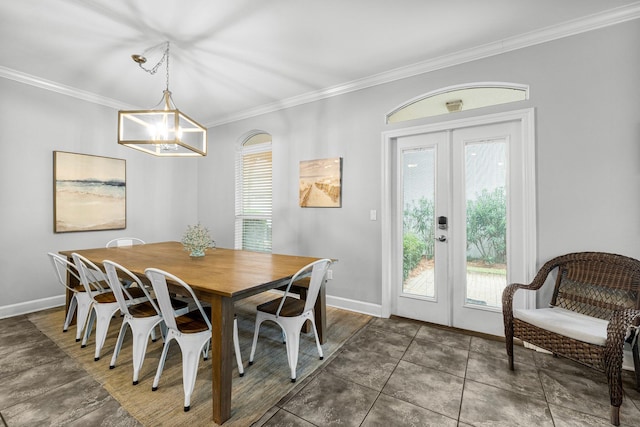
(589, 286)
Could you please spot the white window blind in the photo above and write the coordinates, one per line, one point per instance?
(253, 196)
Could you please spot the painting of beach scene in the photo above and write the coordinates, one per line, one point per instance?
(321, 183)
(89, 192)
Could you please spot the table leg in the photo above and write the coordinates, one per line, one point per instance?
(221, 355)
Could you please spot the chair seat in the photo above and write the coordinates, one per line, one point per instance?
(144, 309)
(566, 323)
(193, 322)
(292, 307)
(105, 297)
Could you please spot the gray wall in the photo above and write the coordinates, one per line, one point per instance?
(586, 93)
(161, 193)
(584, 88)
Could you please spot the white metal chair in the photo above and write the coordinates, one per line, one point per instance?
(80, 300)
(192, 332)
(103, 303)
(142, 317)
(124, 241)
(291, 313)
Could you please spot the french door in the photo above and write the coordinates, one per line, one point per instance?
(460, 223)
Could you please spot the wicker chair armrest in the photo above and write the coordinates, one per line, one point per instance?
(507, 295)
(538, 281)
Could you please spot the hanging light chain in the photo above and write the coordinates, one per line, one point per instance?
(165, 57)
(166, 53)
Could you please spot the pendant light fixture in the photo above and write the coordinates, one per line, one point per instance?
(165, 132)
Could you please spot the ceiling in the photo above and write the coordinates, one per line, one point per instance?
(235, 58)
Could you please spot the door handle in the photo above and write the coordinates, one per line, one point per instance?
(441, 238)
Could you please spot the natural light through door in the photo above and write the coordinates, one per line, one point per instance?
(463, 220)
(486, 221)
(418, 173)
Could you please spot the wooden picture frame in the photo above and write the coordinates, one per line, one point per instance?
(320, 184)
(89, 193)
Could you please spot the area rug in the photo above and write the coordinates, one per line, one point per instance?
(263, 385)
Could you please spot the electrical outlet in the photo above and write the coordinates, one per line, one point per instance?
(329, 274)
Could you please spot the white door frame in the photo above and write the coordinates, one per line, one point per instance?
(529, 246)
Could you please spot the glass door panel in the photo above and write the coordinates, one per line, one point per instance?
(486, 221)
(418, 201)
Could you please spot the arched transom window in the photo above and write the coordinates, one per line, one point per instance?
(458, 98)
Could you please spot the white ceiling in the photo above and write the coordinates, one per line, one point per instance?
(234, 58)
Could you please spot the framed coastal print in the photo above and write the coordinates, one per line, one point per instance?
(320, 183)
(90, 193)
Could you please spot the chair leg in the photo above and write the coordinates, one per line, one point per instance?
(293, 346)
(509, 344)
(116, 350)
(72, 309)
(236, 346)
(315, 332)
(103, 320)
(82, 316)
(88, 327)
(613, 369)
(190, 361)
(163, 358)
(259, 321)
(205, 351)
(140, 332)
(615, 415)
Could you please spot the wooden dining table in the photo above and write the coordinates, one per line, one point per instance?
(221, 277)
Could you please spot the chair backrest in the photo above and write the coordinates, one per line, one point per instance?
(158, 280)
(63, 268)
(596, 283)
(124, 241)
(318, 270)
(91, 277)
(115, 274)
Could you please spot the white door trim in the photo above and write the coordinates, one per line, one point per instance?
(526, 118)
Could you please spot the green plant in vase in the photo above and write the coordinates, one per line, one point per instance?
(196, 240)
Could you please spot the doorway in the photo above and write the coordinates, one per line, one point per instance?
(460, 223)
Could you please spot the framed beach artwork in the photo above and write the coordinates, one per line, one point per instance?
(90, 193)
(320, 183)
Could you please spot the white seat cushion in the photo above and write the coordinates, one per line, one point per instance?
(567, 323)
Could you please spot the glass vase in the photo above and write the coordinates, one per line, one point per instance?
(197, 252)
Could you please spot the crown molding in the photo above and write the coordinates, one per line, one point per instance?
(52, 86)
(566, 29)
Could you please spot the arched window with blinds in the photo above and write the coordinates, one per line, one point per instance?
(254, 193)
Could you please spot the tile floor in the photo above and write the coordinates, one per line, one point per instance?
(394, 372)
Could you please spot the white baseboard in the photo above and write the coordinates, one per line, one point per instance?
(31, 306)
(346, 304)
(353, 305)
(57, 301)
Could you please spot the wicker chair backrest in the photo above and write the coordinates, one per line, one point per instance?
(596, 284)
